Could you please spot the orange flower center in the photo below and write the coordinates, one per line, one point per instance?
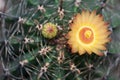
(86, 35)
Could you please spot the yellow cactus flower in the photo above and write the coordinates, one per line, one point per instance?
(49, 30)
(89, 33)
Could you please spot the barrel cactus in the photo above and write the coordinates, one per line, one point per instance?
(55, 39)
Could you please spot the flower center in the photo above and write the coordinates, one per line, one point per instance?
(50, 29)
(86, 35)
